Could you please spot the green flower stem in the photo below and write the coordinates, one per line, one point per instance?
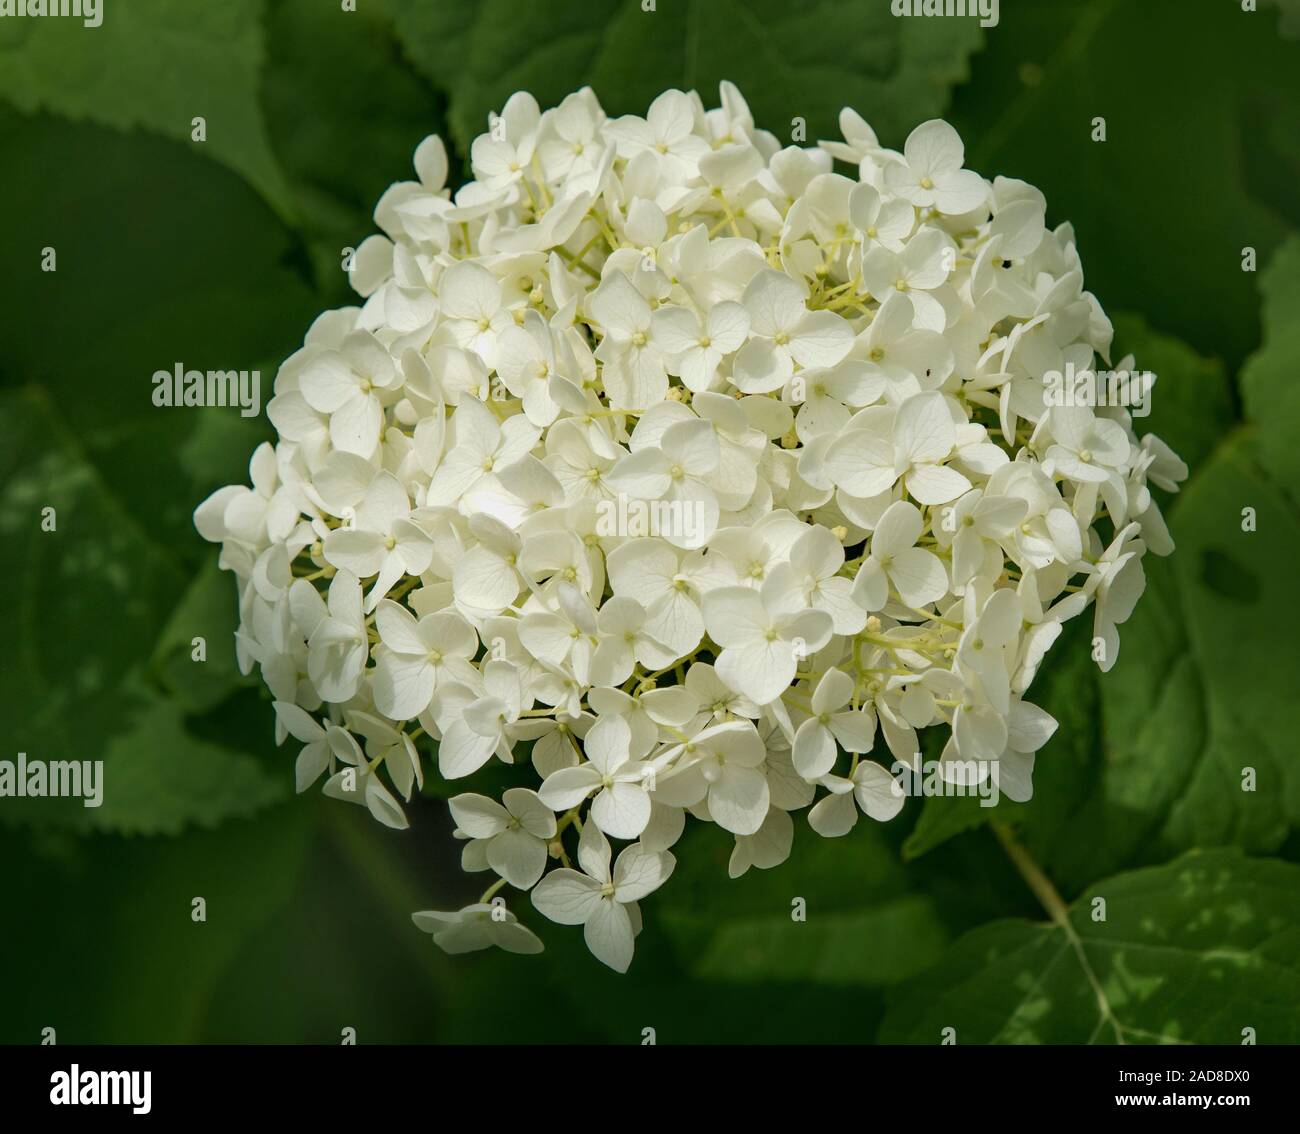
(491, 891)
(1051, 901)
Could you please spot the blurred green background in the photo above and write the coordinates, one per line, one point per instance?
(219, 254)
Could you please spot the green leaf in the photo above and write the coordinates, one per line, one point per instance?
(1191, 952)
(156, 65)
(159, 780)
(202, 280)
(209, 609)
(171, 258)
(1289, 18)
(1191, 403)
(1268, 381)
(1239, 622)
(896, 73)
(864, 924)
(87, 594)
(345, 114)
(942, 818)
(123, 907)
(1158, 230)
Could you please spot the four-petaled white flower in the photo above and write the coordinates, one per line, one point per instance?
(913, 445)
(474, 727)
(829, 724)
(350, 384)
(1087, 448)
(510, 836)
(785, 333)
(602, 901)
(694, 347)
(721, 767)
(478, 926)
(612, 779)
(384, 541)
(763, 636)
(414, 656)
(917, 575)
(677, 471)
(931, 175)
(870, 789)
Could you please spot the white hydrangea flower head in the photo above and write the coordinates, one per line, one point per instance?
(686, 473)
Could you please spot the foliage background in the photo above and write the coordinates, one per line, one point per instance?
(220, 254)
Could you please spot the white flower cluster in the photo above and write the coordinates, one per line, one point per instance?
(680, 465)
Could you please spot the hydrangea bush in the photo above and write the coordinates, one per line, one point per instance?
(699, 473)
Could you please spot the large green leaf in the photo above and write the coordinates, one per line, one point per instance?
(166, 257)
(107, 938)
(209, 609)
(1192, 952)
(91, 593)
(159, 779)
(1268, 381)
(172, 258)
(1189, 696)
(805, 61)
(344, 116)
(87, 594)
(156, 65)
(1194, 92)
